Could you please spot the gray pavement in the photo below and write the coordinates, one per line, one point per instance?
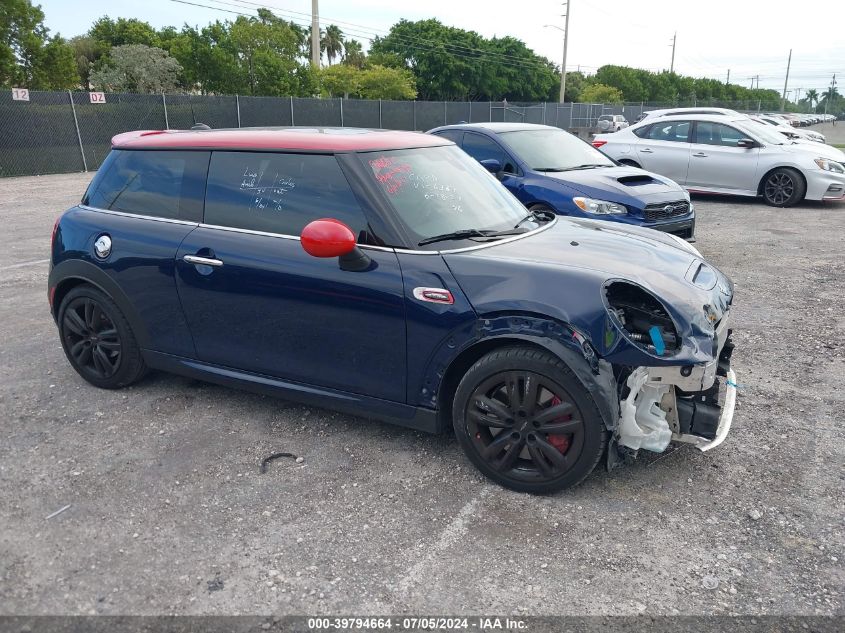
(169, 514)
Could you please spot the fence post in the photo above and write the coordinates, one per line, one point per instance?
(379, 113)
(291, 111)
(415, 115)
(490, 104)
(78, 135)
(341, 112)
(164, 103)
(445, 116)
(544, 112)
(571, 108)
(469, 111)
(238, 107)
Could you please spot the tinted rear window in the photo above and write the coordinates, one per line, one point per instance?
(278, 193)
(162, 184)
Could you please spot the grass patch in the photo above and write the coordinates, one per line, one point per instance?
(840, 145)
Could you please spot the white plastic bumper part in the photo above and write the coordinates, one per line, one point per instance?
(727, 416)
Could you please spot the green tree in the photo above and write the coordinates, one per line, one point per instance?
(451, 63)
(137, 68)
(123, 31)
(333, 43)
(812, 97)
(340, 80)
(267, 48)
(378, 82)
(353, 54)
(86, 52)
(29, 56)
(599, 93)
(575, 82)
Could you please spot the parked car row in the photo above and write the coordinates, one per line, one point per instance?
(711, 150)
(387, 274)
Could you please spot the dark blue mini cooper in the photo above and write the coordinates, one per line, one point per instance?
(387, 274)
(549, 169)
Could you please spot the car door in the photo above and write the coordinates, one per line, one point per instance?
(716, 162)
(255, 301)
(482, 147)
(665, 148)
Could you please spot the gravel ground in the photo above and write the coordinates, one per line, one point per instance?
(169, 514)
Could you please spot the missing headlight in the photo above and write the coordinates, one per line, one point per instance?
(643, 318)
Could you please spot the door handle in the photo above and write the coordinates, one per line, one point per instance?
(700, 155)
(646, 151)
(202, 261)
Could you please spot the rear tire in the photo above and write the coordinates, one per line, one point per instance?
(783, 187)
(526, 421)
(98, 340)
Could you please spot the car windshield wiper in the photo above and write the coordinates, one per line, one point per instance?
(536, 215)
(466, 233)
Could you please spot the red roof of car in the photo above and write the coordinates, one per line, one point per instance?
(295, 138)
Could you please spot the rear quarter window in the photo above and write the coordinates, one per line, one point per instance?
(279, 193)
(160, 184)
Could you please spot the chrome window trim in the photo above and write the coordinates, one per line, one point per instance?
(138, 216)
(409, 251)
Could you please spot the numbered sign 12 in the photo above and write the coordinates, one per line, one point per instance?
(97, 97)
(20, 94)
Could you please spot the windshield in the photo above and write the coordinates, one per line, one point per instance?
(761, 132)
(551, 149)
(439, 190)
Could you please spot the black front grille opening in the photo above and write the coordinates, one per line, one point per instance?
(664, 210)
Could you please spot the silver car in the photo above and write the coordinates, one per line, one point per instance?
(611, 122)
(730, 155)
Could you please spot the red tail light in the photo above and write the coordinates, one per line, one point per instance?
(53, 235)
(597, 143)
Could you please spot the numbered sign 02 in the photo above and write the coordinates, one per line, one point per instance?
(20, 94)
(97, 97)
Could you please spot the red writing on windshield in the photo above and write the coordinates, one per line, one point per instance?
(391, 173)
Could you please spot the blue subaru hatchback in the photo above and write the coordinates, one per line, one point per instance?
(547, 168)
(386, 274)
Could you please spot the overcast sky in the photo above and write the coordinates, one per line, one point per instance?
(749, 37)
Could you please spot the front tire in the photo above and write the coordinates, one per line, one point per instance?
(98, 340)
(526, 421)
(783, 187)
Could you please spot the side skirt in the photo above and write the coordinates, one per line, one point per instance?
(397, 413)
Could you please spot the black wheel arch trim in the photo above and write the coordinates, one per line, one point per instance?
(76, 271)
(595, 374)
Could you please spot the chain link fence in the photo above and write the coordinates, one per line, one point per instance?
(60, 132)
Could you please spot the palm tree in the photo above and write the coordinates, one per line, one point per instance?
(353, 53)
(307, 34)
(812, 97)
(333, 42)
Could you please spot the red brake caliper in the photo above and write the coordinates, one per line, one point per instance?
(560, 442)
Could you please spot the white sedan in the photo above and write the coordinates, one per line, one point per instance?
(730, 155)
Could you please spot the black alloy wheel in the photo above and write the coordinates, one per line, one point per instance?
(91, 338)
(527, 421)
(97, 339)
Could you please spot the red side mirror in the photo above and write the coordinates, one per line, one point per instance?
(327, 238)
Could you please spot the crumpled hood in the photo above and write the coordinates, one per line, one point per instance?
(561, 272)
(625, 182)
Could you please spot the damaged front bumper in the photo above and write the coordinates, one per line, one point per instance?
(693, 405)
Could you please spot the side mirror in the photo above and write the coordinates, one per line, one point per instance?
(492, 165)
(746, 142)
(332, 238)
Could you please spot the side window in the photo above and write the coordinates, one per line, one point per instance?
(708, 133)
(643, 131)
(162, 184)
(278, 193)
(452, 135)
(482, 148)
(675, 131)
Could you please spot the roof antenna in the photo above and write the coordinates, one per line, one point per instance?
(196, 126)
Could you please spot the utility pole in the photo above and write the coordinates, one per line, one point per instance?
(674, 41)
(565, 43)
(830, 93)
(785, 82)
(565, 32)
(728, 80)
(315, 35)
(798, 94)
